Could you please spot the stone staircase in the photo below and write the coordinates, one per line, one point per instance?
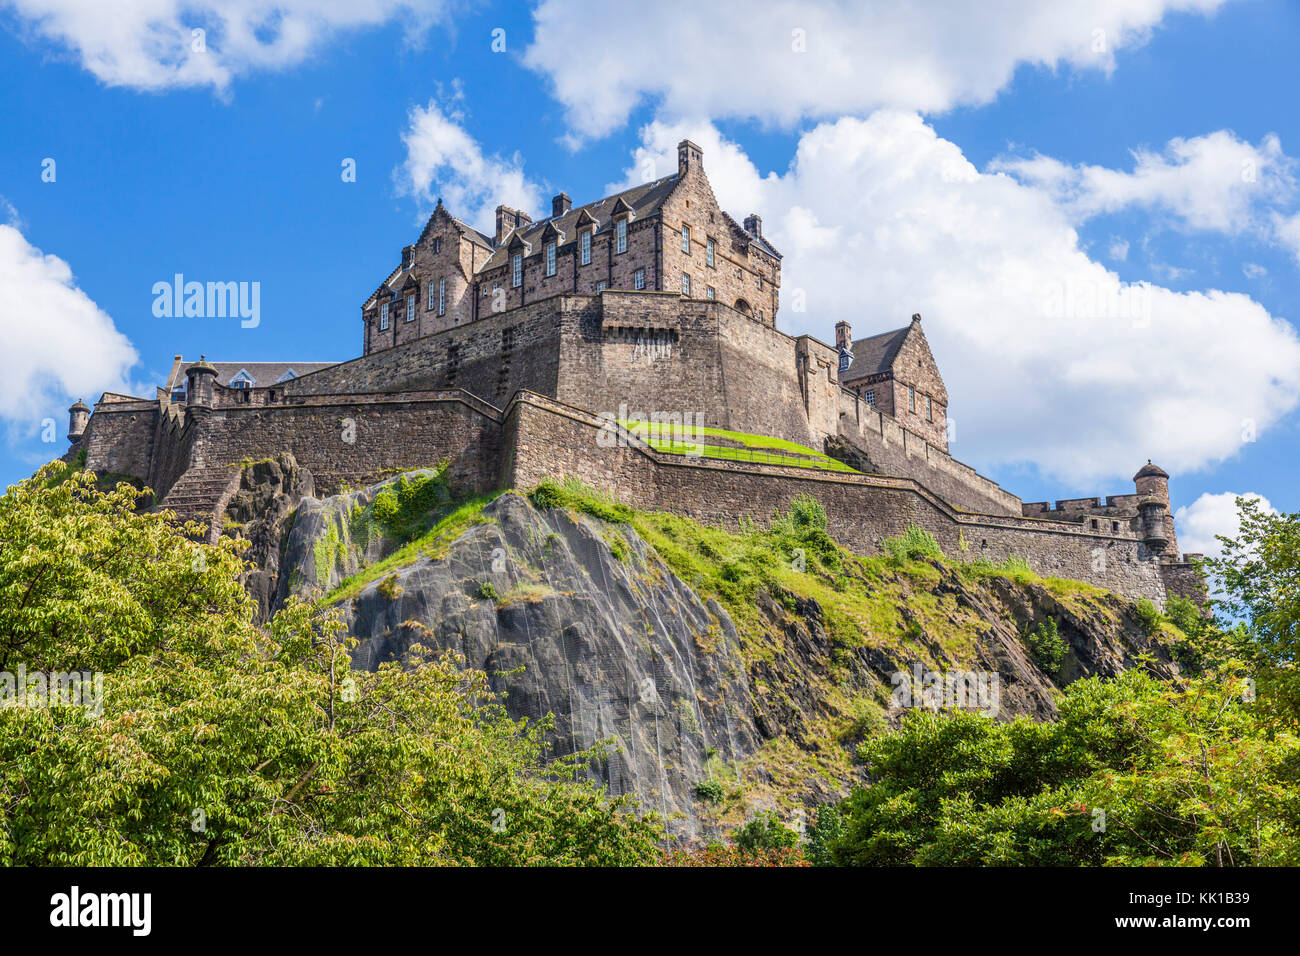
(201, 494)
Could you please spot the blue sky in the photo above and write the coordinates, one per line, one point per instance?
(949, 162)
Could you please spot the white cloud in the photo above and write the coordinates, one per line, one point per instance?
(1212, 183)
(151, 44)
(59, 344)
(1119, 249)
(1211, 515)
(1049, 358)
(1253, 270)
(442, 159)
(741, 58)
(1288, 232)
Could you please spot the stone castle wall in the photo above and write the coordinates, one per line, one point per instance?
(548, 439)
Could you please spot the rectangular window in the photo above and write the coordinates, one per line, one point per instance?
(709, 292)
(638, 279)
(584, 248)
(550, 258)
(429, 297)
(442, 296)
(620, 233)
(517, 279)
(708, 254)
(911, 399)
(410, 308)
(383, 316)
(870, 398)
(437, 245)
(686, 284)
(686, 239)
(929, 409)
(600, 287)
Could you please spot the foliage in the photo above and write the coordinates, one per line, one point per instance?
(718, 854)
(764, 832)
(223, 743)
(710, 791)
(913, 544)
(389, 588)
(1259, 577)
(488, 592)
(1148, 616)
(1046, 646)
(1135, 772)
(575, 496)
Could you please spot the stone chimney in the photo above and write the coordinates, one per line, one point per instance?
(843, 336)
(754, 225)
(508, 219)
(844, 345)
(560, 205)
(689, 156)
(408, 253)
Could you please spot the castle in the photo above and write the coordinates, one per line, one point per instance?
(521, 355)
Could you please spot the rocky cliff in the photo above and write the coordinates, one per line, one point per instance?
(728, 670)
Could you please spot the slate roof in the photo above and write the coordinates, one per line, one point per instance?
(262, 373)
(875, 354)
(645, 200)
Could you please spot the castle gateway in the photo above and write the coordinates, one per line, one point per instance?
(518, 356)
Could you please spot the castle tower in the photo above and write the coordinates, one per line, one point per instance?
(78, 418)
(200, 390)
(1152, 483)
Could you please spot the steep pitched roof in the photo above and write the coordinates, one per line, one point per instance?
(875, 354)
(644, 200)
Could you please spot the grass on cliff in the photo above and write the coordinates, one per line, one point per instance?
(674, 439)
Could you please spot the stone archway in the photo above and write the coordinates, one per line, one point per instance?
(743, 308)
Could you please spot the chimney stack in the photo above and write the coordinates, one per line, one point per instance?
(843, 336)
(407, 253)
(754, 225)
(689, 156)
(560, 205)
(508, 219)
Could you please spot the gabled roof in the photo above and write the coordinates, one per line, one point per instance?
(875, 354)
(643, 200)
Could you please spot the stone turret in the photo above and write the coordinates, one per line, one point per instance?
(78, 418)
(200, 390)
(1152, 483)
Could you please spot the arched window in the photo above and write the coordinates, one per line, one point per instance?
(743, 307)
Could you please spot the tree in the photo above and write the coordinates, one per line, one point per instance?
(220, 742)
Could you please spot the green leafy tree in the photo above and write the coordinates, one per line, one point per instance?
(220, 742)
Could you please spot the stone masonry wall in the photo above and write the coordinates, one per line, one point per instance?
(551, 440)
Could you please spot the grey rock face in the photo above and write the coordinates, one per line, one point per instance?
(583, 620)
(321, 551)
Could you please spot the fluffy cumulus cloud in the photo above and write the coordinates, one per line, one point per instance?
(1213, 183)
(1050, 359)
(153, 44)
(785, 60)
(443, 160)
(58, 343)
(1208, 516)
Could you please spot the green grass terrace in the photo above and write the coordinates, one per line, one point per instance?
(699, 441)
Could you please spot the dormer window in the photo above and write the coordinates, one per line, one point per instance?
(686, 239)
(584, 248)
(550, 258)
(620, 236)
(517, 277)
(241, 379)
(178, 393)
(289, 375)
(383, 317)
